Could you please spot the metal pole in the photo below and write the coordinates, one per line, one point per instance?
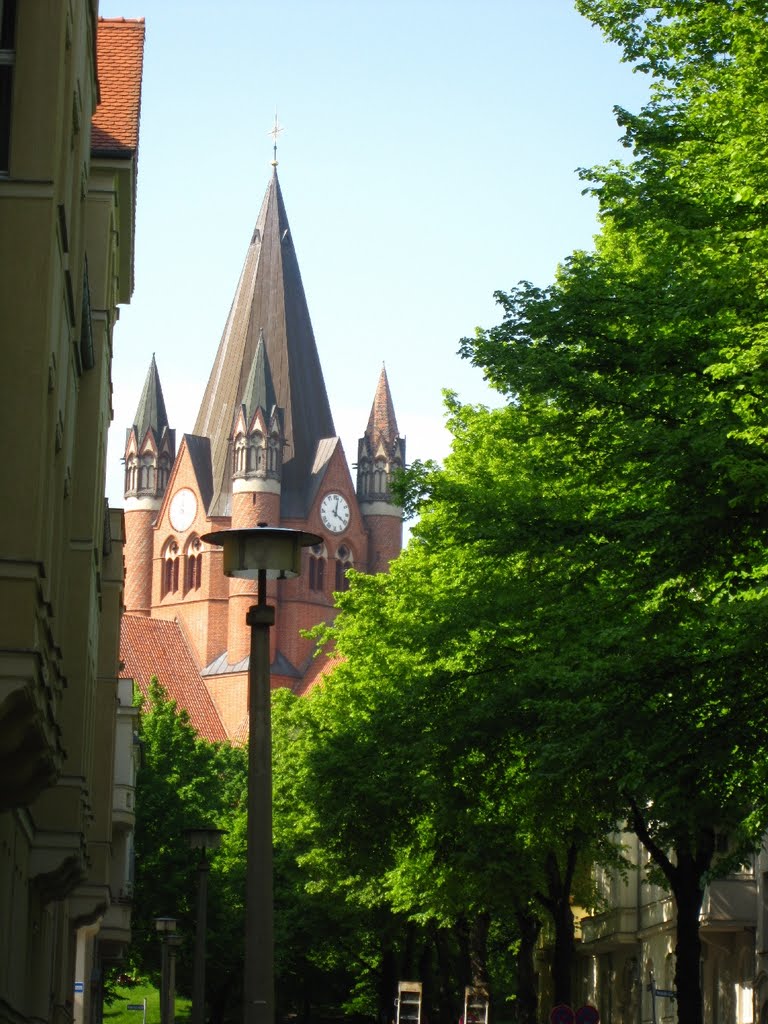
(163, 980)
(259, 991)
(198, 982)
(172, 942)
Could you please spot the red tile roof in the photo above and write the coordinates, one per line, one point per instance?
(156, 647)
(119, 60)
(317, 671)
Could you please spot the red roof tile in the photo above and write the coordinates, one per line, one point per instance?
(119, 60)
(156, 647)
(317, 671)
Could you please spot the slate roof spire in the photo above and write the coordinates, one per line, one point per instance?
(269, 302)
(259, 390)
(151, 414)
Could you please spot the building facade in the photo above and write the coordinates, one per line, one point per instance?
(263, 451)
(69, 119)
(625, 963)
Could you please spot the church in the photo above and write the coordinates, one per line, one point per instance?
(264, 451)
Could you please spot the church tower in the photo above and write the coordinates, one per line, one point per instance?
(257, 443)
(380, 454)
(264, 450)
(150, 449)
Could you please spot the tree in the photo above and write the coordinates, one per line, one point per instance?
(185, 782)
(442, 813)
(637, 419)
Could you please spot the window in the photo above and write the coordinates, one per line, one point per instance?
(170, 580)
(87, 356)
(193, 565)
(163, 472)
(380, 477)
(131, 474)
(7, 61)
(343, 563)
(317, 567)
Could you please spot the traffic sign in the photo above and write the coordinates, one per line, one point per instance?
(587, 1014)
(561, 1014)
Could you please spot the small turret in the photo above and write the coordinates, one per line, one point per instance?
(258, 439)
(380, 453)
(258, 434)
(150, 446)
(150, 449)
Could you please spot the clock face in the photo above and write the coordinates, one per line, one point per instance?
(183, 509)
(334, 512)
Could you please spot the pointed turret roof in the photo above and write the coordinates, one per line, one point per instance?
(151, 412)
(269, 299)
(382, 422)
(259, 390)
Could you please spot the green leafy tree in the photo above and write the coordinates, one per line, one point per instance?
(425, 780)
(637, 422)
(185, 782)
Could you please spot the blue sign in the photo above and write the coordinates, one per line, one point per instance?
(79, 986)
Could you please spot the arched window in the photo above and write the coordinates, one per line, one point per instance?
(239, 455)
(170, 580)
(163, 472)
(193, 565)
(343, 563)
(131, 474)
(272, 454)
(317, 567)
(380, 477)
(365, 475)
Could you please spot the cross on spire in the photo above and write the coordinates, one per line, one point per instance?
(275, 131)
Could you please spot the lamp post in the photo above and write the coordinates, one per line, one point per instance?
(166, 926)
(260, 553)
(201, 839)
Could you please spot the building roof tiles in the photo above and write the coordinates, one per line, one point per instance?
(119, 61)
(157, 647)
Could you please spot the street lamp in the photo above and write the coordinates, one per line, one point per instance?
(166, 927)
(201, 839)
(260, 553)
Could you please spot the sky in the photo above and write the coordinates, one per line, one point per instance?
(428, 159)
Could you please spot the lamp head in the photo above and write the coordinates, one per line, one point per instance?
(271, 549)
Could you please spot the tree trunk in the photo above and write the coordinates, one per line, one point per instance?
(447, 997)
(526, 1004)
(478, 950)
(558, 903)
(688, 891)
(387, 985)
(693, 858)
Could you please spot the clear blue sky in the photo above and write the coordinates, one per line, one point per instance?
(429, 158)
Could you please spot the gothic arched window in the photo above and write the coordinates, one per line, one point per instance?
(170, 562)
(163, 472)
(380, 477)
(317, 561)
(193, 565)
(343, 563)
(239, 456)
(131, 474)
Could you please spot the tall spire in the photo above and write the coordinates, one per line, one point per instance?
(381, 450)
(269, 302)
(382, 421)
(151, 412)
(150, 445)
